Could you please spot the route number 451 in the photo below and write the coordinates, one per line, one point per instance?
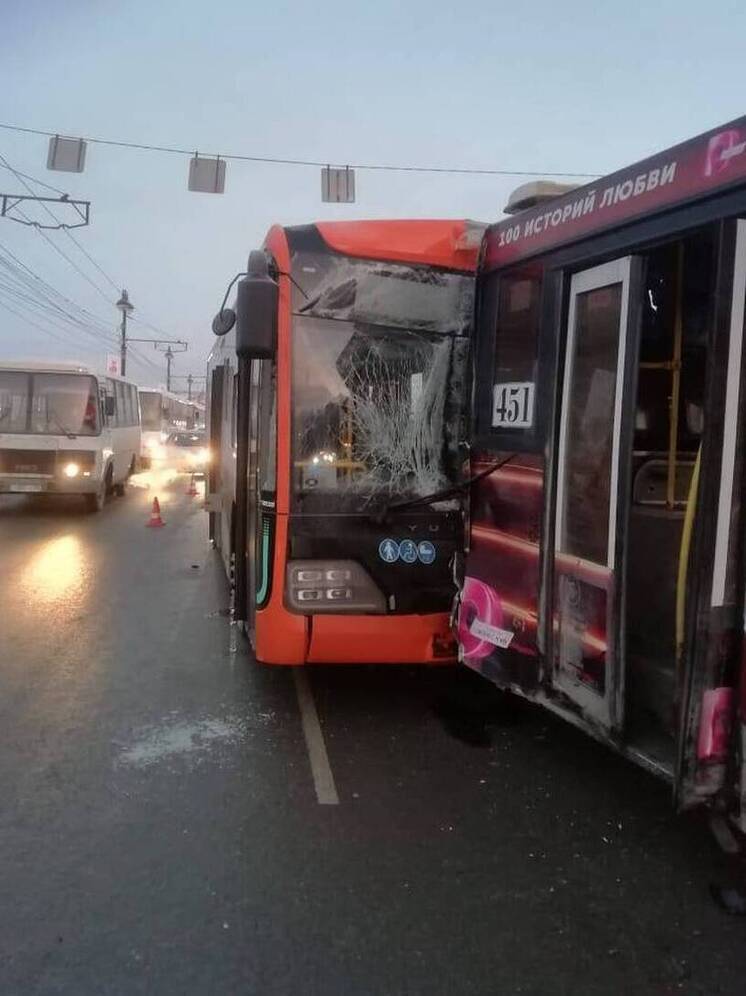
(513, 405)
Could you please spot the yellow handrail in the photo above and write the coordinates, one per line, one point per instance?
(686, 542)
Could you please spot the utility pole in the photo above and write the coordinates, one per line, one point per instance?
(181, 347)
(169, 358)
(192, 380)
(125, 307)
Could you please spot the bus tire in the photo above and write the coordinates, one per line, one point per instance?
(96, 501)
(121, 489)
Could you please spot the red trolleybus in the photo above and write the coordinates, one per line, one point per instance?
(336, 424)
(605, 572)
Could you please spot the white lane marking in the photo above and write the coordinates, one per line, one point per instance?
(323, 779)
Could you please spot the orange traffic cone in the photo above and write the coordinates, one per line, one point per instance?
(155, 515)
(192, 489)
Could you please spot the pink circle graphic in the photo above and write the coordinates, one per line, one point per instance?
(478, 601)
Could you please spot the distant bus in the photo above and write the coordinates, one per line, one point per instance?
(332, 443)
(605, 576)
(162, 414)
(65, 430)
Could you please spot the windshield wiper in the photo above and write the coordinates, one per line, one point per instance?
(453, 492)
(55, 416)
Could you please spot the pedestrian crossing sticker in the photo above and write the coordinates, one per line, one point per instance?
(388, 551)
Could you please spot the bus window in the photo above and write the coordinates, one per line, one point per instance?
(516, 340)
(134, 413)
(590, 400)
(234, 410)
(63, 403)
(268, 451)
(126, 405)
(121, 413)
(14, 398)
(369, 410)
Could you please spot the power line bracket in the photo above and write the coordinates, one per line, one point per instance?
(8, 203)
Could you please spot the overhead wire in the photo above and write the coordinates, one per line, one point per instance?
(50, 296)
(30, 321)
(52, 243)
(41, 183)
(27, 286)
(279, 161)
(113, 283)
(61, 320)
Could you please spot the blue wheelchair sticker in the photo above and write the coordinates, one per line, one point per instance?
(388, 551)
(408, 551)
(426, 551)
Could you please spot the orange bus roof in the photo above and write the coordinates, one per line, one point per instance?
(448, 243)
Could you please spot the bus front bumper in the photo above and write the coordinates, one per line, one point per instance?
(17, 484)
(405, 639)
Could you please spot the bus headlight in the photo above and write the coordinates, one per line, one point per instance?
(71, 470)
(332, 586)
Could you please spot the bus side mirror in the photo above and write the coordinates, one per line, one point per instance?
(257, 297)
(110, 406)
(224, 321)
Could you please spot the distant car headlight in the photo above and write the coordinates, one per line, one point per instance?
(199, 457)
(71, 470)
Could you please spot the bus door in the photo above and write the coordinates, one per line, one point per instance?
(215, 413)
(596, 422)
(712, 736)
(252, 589)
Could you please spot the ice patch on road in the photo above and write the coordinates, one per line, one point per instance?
(181, 738)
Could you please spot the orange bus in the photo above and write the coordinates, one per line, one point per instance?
(337, 416)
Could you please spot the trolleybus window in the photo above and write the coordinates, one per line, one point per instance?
(373, 359)
(516, 339)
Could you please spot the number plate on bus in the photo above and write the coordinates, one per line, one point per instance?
(26, 488)
(513, 405)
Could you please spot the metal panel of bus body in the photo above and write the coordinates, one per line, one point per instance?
(712, 719)
(596, 418)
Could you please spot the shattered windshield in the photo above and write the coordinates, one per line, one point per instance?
(379, 359)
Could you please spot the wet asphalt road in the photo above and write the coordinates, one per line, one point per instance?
(159, 829)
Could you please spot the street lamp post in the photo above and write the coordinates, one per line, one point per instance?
(125, 307)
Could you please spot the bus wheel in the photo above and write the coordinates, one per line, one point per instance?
(95, 502)
(120, 489)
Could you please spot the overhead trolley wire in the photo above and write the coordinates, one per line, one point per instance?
(28, 278)
(54, 245)
(280, 161)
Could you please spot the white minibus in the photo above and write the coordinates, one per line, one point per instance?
(163, 413)
(65, 430)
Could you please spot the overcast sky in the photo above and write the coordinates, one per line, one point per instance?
(580, 86)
